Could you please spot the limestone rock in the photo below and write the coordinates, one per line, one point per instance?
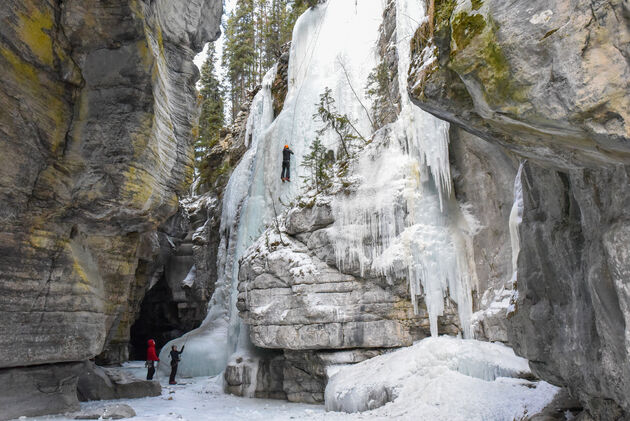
(292, 300)
(523, 74)
(298, 376)
(309, 218)
(38, 390)
(548, 81)
(99, 383)
(100, 101)
(259, 376)
(572, 313)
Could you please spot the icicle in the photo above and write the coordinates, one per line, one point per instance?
(516, 218)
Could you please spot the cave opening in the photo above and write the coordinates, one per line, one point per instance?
(158, 319)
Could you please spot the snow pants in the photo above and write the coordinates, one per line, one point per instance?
(286, 170)
(151, 369)
(171, 379)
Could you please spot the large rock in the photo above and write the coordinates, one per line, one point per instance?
(549, 81)
(109, 412)
(44, 389)
(99, 383)
(298, 376)
(572, 318)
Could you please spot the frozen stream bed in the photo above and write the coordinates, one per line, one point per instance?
(436, 379)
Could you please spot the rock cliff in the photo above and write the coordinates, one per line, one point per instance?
(549, 82)
(99, 106)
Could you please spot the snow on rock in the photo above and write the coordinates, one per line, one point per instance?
(440, 378)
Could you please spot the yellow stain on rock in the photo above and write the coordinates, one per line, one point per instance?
(47, 94)
(35, 30)
(138, 188)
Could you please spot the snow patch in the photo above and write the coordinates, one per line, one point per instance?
(542, 17)
(440, 379)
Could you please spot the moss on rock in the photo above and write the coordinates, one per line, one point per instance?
(466, 27)
(443, 11)
(476, 4)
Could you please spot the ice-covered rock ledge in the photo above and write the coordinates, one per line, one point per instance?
(293, 296)
(441, 378)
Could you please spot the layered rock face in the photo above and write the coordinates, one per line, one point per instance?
(549, 82)
(99, 106)
(292, 295)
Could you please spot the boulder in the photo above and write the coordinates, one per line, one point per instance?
(39, 390)
(292, 300)
(309, 218)
(99, 383)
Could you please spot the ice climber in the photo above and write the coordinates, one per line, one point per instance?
(286, 164)
(151, 359)
(174, 361)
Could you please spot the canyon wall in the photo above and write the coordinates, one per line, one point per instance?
(548, 83)
(98, 107)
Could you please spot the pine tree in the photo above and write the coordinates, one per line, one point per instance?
(340, 124)
(377, 89)
(319, 163)
(239, 53)
(211, 119)
(255, 33)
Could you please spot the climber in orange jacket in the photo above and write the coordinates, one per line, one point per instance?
(286, 164)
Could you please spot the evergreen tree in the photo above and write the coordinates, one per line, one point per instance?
(254, 35)
(383, 108)
(339, 123)
(318, 162)
(239, 53)
(211, 119)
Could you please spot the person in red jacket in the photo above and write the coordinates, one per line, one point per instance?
(151, 359)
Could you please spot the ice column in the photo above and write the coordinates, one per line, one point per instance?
(516, 217)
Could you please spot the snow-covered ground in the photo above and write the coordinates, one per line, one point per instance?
(436, 379)
(200, 399)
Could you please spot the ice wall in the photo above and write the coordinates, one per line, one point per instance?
(403, 221)
(333, 46)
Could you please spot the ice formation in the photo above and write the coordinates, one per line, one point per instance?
(403, 221)
(440, 379)
(516, 217)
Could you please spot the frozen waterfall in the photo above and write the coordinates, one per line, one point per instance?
(403, 205)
